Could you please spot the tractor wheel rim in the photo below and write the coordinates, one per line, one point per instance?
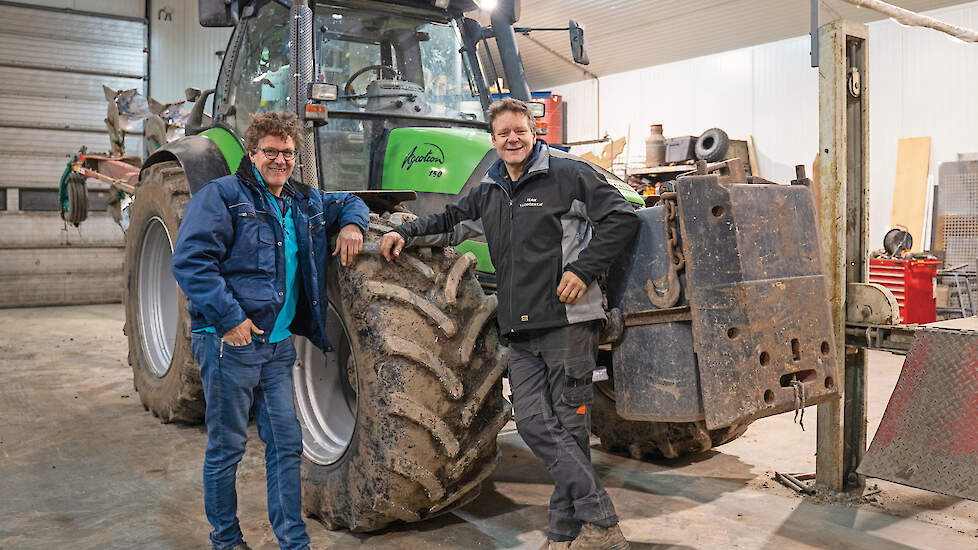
(326, 394)
(158, 301)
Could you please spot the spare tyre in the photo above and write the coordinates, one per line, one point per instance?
(896, 241)
(712, 145)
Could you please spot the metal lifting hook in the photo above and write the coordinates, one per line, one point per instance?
(677, 261)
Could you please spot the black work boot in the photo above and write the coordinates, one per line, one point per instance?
(595, 537)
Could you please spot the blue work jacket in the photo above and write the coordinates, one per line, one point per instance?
(229, 257)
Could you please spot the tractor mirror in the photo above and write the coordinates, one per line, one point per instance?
(192, 94)
(578, 46)
(217, 13)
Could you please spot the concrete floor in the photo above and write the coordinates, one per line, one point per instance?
(84, 466)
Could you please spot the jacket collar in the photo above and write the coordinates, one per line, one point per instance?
(539, 162)
(246, 171)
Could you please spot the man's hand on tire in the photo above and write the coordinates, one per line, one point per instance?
(391, 245)
(241, 334)
(348, 244)
(571, 288)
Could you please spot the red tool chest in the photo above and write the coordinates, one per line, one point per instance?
(912, 282)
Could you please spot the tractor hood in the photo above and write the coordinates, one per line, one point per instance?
(442, 163)
(442, 160)
(436, 160)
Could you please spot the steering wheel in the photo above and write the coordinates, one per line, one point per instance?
(348, 87)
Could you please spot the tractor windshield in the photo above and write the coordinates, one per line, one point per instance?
(395, 66)
(402, 64)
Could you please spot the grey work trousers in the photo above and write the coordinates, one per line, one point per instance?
(550, 376)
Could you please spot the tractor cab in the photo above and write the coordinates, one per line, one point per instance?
(392, 65)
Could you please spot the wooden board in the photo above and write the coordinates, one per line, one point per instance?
(662, 169)
(755, 168)
(608, 154)
(910, 187)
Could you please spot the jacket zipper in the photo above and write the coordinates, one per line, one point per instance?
(275, 210)
(510, 246)
(524, 179)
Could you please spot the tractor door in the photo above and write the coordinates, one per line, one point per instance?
(254, 78)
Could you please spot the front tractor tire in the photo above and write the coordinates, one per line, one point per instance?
(164, 371)
(400, 423)
(643, 440)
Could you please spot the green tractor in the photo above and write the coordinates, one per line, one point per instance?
(400, 422)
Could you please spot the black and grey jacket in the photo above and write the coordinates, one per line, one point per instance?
(560, 215)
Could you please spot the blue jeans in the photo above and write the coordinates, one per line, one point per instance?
(239, 381)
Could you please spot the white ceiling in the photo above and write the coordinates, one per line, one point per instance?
(623, 35)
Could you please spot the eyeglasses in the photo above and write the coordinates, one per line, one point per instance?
(272, 154)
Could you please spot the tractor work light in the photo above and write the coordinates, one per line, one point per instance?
(323, 92)
(486, 5)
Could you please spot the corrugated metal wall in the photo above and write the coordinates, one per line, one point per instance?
(54, 58)
(921, 84)
(123, 8)
(184, 54)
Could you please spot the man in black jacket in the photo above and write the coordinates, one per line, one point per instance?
(553, 225)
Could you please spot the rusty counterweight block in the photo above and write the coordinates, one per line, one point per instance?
(757, 331)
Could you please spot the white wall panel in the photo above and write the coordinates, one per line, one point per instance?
(60, 85)
(48, 230)
(123, 8)
(920, 84)
(21, 20)
(54, 58)
(53, 66)
(785, 98)
(63, 55)
(685, 97)
(183, 53)
(39, 112)
(625, 35)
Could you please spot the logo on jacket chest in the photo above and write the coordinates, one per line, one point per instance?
(530, 202)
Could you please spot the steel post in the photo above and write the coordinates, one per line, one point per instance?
(843, 175)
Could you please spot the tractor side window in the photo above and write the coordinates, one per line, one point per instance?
(446, 78)
(260, 80)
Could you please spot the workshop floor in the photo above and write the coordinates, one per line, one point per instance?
(82, 465)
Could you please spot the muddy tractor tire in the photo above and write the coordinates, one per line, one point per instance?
(400, 422)
(642, 440)
(157, 321)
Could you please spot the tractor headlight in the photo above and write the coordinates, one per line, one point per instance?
(323, 92)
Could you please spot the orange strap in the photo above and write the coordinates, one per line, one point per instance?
(582, 409)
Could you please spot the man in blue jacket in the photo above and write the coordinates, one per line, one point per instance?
(251, 258)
